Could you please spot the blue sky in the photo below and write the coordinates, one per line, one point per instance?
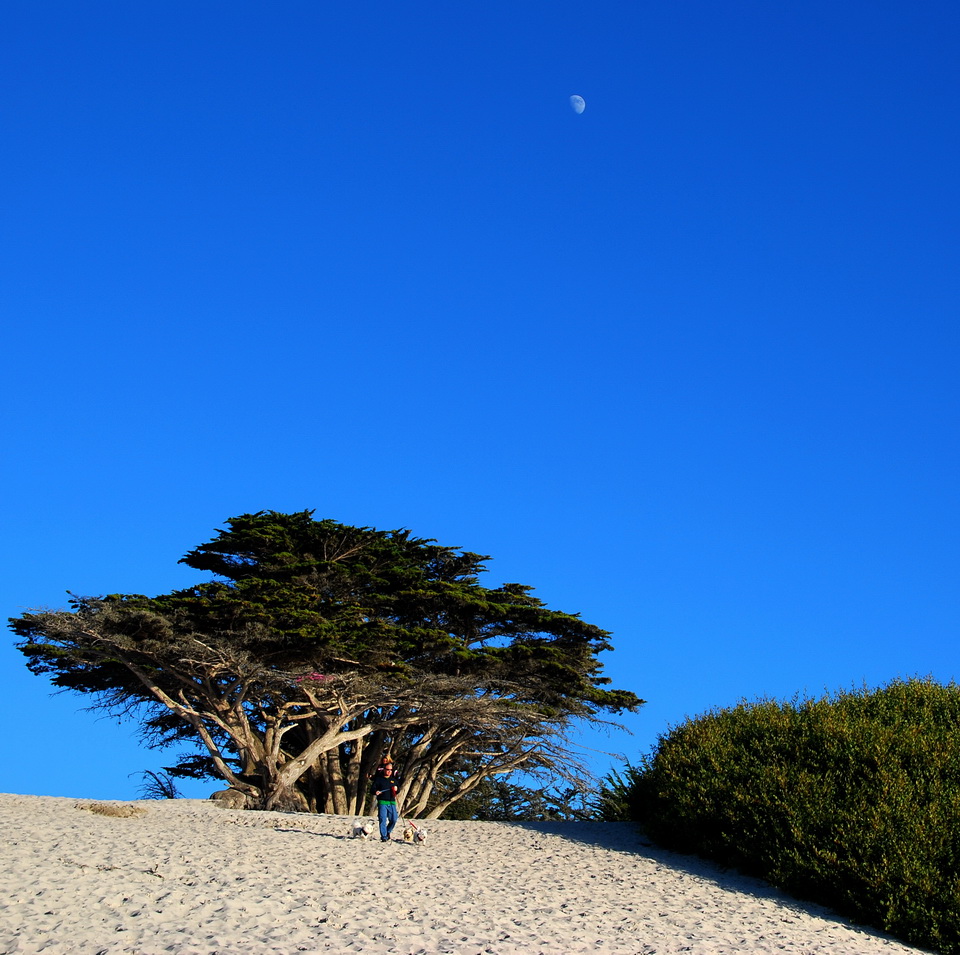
(686, 363)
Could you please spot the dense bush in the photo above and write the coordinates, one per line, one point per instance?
(852, 801)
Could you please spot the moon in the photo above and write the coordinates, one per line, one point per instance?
(577, 104)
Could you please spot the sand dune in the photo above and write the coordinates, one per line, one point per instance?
(185, 877)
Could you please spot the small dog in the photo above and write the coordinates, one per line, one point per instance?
(414, 833)
(361, 830)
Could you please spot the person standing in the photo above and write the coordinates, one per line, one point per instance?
(384, 789)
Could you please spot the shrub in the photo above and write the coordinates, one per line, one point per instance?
(616, 799)
(852, 801)
(157, 785)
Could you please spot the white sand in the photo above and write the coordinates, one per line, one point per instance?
(190, 878)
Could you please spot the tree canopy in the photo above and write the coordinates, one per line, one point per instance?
(318, 646)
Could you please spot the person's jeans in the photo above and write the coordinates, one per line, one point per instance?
(387, 813)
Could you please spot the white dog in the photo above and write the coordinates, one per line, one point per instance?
(361, 830)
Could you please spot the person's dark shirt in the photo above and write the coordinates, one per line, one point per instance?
(386, 786)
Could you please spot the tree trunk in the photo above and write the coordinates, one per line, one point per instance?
(353, 780)
(284, 798)
(335, 778)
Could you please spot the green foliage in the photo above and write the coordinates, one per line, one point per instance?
(852, 801)
(617, 798)
(299, 594)
(497, 799)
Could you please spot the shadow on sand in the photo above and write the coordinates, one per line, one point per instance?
(629, 838)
